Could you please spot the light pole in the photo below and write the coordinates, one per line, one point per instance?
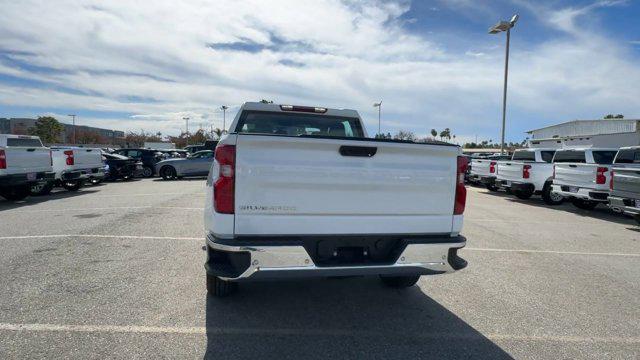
(73, 121)
(186, 119)
(495, 29)
(224, 117)
(379, 106)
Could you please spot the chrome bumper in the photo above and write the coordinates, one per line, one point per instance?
(582, 193)
(619, 204)
(291, 261)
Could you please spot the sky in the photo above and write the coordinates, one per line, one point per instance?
(132, 65)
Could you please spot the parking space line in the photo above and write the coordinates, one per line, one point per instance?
(98, 236)
(533, 251)
(164, 193)
(110, 208)
(136, 329)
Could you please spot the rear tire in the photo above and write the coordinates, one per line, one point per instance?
(95, 181)
(15, 193)
(72, 185)
(523, 194)
(399, 282)
(584, 204)
(147, 171)
(41, 189)
(220, 288)
(549, 197)
(168, 173)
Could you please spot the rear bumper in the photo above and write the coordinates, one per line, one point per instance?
(26, 179)
(623, 205)
(260, 259)
(83, 174)
(581, 193)
(515, 185)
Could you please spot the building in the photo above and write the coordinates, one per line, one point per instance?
(21, 126)
(611, 133)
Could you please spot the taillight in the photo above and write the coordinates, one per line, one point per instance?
(224, 187)
(611, 181)
(3, 159)
(601, 178)
(461, 191)
(69, 154)
(525, 171)
(492, 167)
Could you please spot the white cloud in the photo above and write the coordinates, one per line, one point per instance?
(152, 60)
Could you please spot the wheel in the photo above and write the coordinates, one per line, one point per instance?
(41, 189)
(523, 194)
(15, 193)
(508, 191)
(72, 185)
(147, 171)
(550, 197)
(491, 187)
(399, 281)
(95, 181)
(220, 288)
(168, 173)
(584, 204)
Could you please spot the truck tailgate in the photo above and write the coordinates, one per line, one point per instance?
(303, 185)
(481, 167)
(510, 170)
(87, 158)
(579, 175)
(626, 182)
(22, 160)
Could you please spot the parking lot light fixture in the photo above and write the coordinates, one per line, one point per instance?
(73, 122)
(224, 117)
(186, 119)
(504, 26)
(379, 106)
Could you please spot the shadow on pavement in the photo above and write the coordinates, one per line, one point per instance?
(354, 318)
(33, 200)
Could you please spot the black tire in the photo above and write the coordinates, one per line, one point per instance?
(168, 173)
(147, 171)
(491, 187)
(508, 191)
(41, 189)
(15, 193)
(72, 185)
(400, 282)
(549, 197)
(523, 194)
(220, 288)
(584, 204)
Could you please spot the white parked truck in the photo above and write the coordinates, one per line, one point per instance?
(24, 162)
(485, 170)
(301, 191)
(583, 175)
(73, 166)
(530, 171)
(625, 182)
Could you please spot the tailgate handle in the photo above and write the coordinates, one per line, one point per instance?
(573, 165)
(360, 151)
(31, 149)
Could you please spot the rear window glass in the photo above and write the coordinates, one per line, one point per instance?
(604, 157)
(524, 155)
(570, 157)
(547, 156)
(628, 156)
(24, 142)
(299, 124)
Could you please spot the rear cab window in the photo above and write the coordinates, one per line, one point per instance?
(628, 156)
(547, 156)
(524, 156)
(570, 156)
(24, 142)
(604, 157)
(298, 124)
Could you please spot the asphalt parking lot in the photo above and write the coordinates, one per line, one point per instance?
(116, 271)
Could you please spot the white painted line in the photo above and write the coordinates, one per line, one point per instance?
(304, 332)
(156, 194)
(108, 208)
(532, 251)
(98, 236)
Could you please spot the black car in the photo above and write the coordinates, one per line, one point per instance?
(120, 167)
(148, 157)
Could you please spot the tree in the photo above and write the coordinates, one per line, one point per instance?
(434, 133)
(48, 129)
(611, 116)
(218, 132)
(383, 136)
(198, 137)
(445, 134)
(266, 101)
(405, 135)
(89, 137)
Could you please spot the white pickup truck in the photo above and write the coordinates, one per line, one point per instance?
(625, 182)
(583, 175)
(24, 162)
(484, 170)
(530, 171)
(73, 166)
(301, 191)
